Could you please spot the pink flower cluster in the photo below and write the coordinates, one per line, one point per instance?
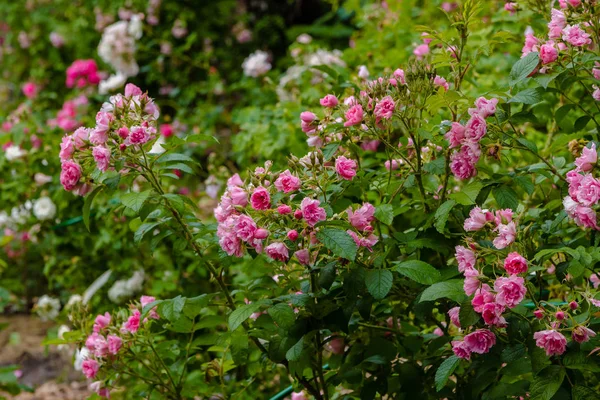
(126, 122)
(502, 219)
(289, 226)
(106, 341)
(67, 118)
(584, 189)
(467, 137)
(82, 73)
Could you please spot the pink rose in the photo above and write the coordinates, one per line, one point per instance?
(90, 368)
(503, 216)
(399, 74)
(103, 120)
(486, 107)
(101, 322)
(456, 135)
(556, 24)
(138, 135)
(286, 182)
(582, 334)
(506, 235)
(66, 148)
(69, 175)
(284, 209)
(102, 157)
(465, 257)
(166, 130)
(492, 314)
(551, 341)
(303, 256)
(477, 219)
(475, 128)
(531, 43)
(100, 389)
(461, 349)
(367, 242)
(385, 108)
(292, 235)
(420, 51)
(510, 291)
(299, 396)
(588, 158)
(362, 217)
(133, 322)
(329, 101)
(515, 264)
(30, 90)
(80, 136)
(238, 196)
(90, 342)
(132, 90)
(483, 296)
(586, 217)
(114, 344)
(245, 227)
(548, 53)
(354, 115)
(453, 313)
(260, 199)
(277, 251)
(100, 347)
(345, 167)
(588, 192)
(574, 35)
(311, 212)
(441, 82)
(462, 166)
(511, 7)
(480, 341)
(471, 283)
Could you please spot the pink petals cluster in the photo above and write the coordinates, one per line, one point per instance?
(584, 190)
(288, 209)
(466, 139)
(82, 73)
(107, 340)
(501, 220)
(123, 124)
(480, 342)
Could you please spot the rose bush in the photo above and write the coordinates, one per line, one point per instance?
(432, 233)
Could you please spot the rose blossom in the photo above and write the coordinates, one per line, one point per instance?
(588, 192)
(551, 341)
(477, 219)
(101, 322)
(138, 135)
(102, 157)
(574, 35)
(362, 217)
(461, 349)
(475, 128)
(453, 313)
(492, 314)
(66, 148)
(480, 341)
(286, 182)
(455, 135)
(471, 283)
(588, 158)
(90, 368)
(486, 107)
(483, 296)
(284, 209)
(303, 256)
(511, 290)
(260, 199)
(506, 235)
(329, 101)
(548, 53)
(238, 196)
(277, 251)
(465, 257)
(462, 166)
(133, 322)
(354, 115)
(345, 167)
(515, 264)
(385, 108)
(245, 227)
(311, 211)
(582, 334)
(69, 175)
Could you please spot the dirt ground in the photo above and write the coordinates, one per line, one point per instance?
(47, 370)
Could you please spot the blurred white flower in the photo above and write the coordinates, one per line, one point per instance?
(47, 307)
(44, 209)
(124, 289)
(257, 64)
(13, 153)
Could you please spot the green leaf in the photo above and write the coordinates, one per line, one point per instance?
(528, 96)
(436, 167)
(180, 166)
(575, 268)
(584, 393)
(241, 314)
(528, 144)
(467, 315)
(171, 309)
(442, 213)
(526, 183)
(379, 282)
(523, 68)
(418, 271)
(547, 383)
(468, 194)
(339, 242)
(452, 289)
(87, 205)
(506, 197)
(282, 315)
(134, 200)
(167, 157)
(514, 352)
(582, 122)
(143, 229)
(329, 150)
(239, 347)
(444, 371)
(385, 213)
(294, 353)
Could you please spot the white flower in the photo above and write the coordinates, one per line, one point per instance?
(304, 38)
(13, 153)
(126, 288)
(135, 26)
(80, 356)
(41, 179)
(157, 147)
(363, 72)
(44, 209)
(256, 64)
(113, 82)
(19, 215)
(117, 48)
(47, 307)
(74, 299)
